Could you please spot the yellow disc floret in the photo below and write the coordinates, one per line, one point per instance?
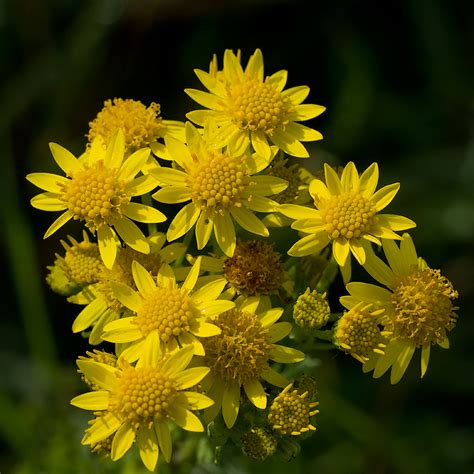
(255, 268)
(140, 125)
(217, 182)
(256, 105)
(95, 195)
(258, 443)
(142, 395)
(291, 412)
(240, 353)
(347, 215)
(423, 307)
(358, 332)
(167, 310)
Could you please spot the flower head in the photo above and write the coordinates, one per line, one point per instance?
(101, 304)
(175, 314)
(311, 310)
(346, 211)
(97, 191)
(221, 186)
(141, 125)
(418, 305)
(258, 443)
(239, 357)
(249, 108)
(135, 403)
(290, 412)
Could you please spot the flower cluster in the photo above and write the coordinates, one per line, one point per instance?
(195, 320)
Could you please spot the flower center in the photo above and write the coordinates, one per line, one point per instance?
(95, 195)
(167, 310)
(241, 351)
(217, 182)
(142, 394)
(359, 333)
(257, 105)
(423, 307)
(290, 413)
(82, 263)
(348, 215)
(254, 268)
(140, 125)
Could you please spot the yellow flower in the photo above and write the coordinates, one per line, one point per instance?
(136, 403)
(161, 307)
(290, 412)
(98, 191)
(239, 357)
(221, 186)
(142, 126)
(251, 109)
(346, 210)
(101, 305)
(418, 306)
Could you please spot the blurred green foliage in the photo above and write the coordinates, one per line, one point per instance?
(396, 78)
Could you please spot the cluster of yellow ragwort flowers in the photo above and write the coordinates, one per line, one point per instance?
(183, 286)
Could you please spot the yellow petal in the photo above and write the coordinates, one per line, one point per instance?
(205, 99)
(274, 378)
(190, 377)
(295, 211)
(279, 331)
(289, 144)
(58, 223)
(203, 329)
(369, 293)
(133, 164)
(197, 401)
(148, 446)
(254, 67)
(132, 235)
(48, 181)
(178, 361)
(425, 358)
(193, 275)
(185, 419)
(248, 221)
(260, 145)
(103, 427)
(267, 185)
(49, 202)
(255, 393)
(123, 440)
(170, 176)
(142, 213)
(214, 308)
(122, 330)
(65, 159)
(357, 250)
(164, 439)
(270, 317)
(126, 296)
(115, 150)
(144, 281)
(384, 196)
(296, 94)
(309, 245)
(173, 194)
(303, 133)
(230, 403)
(238, 142)
(183, 221)
(89, 315)
(141, 185)
(225, 233)
(278, 80)
(332, 180)
(400, 365)
(395, 222)
(96, 400)
(210, 83)
(368, 180)
(107, 245)
(261, 204)
(350, 178)
(100, 374)
(340, 250)
(286, 355)
(306, 111)
(204, 226)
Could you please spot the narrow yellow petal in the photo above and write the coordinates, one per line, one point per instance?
(148, 446)
(142, 213)
(341, 251)
(203, 329)
(185, 419)
(151, 354)
(296, 94)
(100, 374)
(142, 278)
(350, 178)
(238, 142)
(255, 393)
(190, 377)
(141, 185)
(215, 307)
(319, 190)
(48, 181)
(107, 245)
(332, 180)
(133, 164)
(179, 152)
(206, 99)
(173, 194)
(49, 202)
(197, 401)
(260, 145)
(369, 293)
(183, 221)
(384, 196)
(89, 315)
(357, 250)
(128, 297)
(164, 439)
(232, 69)
(425, 358)
(289, 144)
(275, 378)
(224, 231)
(170, 176)
(178, 361)
(279, 331)
(193, 275)
(231, 403)
(267, 185)
(115, 150)
(210, 83)
(122, 330)
(309, 245)
(286, 355)
(278, 80)
(254, 67)
(58, 223)
(270, 317)
(261, 204)
(103, 427)
(130, 233)
(204, 226)
(305, 111)
(400, 365)
(394, 222)
(96, 400)
(65, 159)
(303, 133)
(123, 440)
(368, 180)
(392, 351)
(249, 221)
(296, 211)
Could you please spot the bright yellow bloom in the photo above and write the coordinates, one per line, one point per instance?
(102, 306)
(142, 126)
(222, 189)
(98, 190)
(162, 308)
(290, 412)
(239, 357)
(136, 403)
(345, 211)
(249, 108)
(418, 306)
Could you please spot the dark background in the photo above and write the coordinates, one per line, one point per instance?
(396, 78)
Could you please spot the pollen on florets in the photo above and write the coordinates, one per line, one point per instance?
(241, 351)
(98, 356)
(95, 195)
(290, 412)
(358, 332)
(311, 310)
(423, 303)
(279, 168)
(256, 105)
(254, 269)
(258, 443)
(347, 215)
(168, 310)
(141, 125)
(217, 182)
(142, 395)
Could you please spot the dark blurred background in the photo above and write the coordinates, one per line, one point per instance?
(396, 78)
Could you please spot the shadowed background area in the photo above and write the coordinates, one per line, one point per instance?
(397, 84)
